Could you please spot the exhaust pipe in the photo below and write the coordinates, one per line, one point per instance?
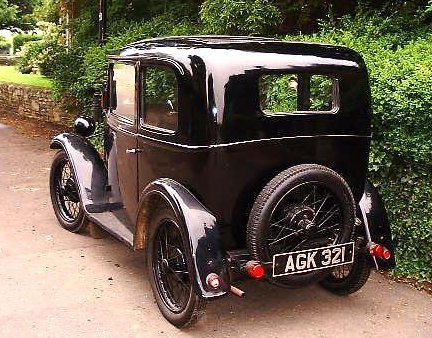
(215, 282)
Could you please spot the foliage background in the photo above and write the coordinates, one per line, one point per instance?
(393, 36)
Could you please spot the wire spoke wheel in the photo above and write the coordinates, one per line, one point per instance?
(308, 216)
(170, 268)
(64, 194)
(342, 271)
(346, 279)
(304, 207)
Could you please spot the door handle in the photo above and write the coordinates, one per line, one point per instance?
(134, 151)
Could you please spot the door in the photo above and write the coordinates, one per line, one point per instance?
(122, 142)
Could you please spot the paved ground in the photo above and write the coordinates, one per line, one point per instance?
(57, 284)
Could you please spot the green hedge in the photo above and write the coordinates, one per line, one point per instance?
(79, 82)
(255, 17)
(3, 43)
(20, 39)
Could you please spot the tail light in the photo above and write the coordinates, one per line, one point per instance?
(379, 251)
(255, 270)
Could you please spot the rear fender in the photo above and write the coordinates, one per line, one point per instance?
(377, 227)
(205, 245)
(89, 169)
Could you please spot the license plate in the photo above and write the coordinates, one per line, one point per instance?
(313, 259)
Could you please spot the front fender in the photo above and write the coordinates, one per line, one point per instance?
(90, 172)
(205, 243)
(376, 224)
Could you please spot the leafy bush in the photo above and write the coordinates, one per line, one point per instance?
(239, 17)
(4, 45)
(90, 61)
(29, 56)
(20, 39)
(41, 54)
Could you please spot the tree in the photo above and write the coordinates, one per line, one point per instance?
(17, 14)
(8, 14)
(48, 10)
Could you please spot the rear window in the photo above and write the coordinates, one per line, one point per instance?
(298, 93)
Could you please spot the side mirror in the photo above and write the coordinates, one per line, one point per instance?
(84, 126)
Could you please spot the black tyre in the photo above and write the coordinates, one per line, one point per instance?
(346, 279)
(171, 271)
(64, 194)
(304, 207)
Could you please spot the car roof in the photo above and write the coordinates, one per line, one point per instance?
(256, 51)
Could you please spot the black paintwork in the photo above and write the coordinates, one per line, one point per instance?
(225, 149)
(205, 242)
(89, 169)
(100, 205)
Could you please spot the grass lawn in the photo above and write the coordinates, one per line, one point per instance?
(10, 75)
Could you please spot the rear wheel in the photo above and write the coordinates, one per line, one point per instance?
(304, 207)
(171, 270)
(64, 194)
(349, 278)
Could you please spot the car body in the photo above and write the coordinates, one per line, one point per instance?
(236, 114)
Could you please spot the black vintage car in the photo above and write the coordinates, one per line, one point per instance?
(227, 157)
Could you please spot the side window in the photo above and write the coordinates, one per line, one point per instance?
(124, 83)
(297, 93)
(160, 98)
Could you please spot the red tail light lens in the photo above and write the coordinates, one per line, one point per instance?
(386, 254)
(379, 251)
(255, 270)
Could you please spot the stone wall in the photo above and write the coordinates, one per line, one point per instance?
(31, 102)
(7, 60)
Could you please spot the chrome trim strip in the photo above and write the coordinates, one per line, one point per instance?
(222, 145)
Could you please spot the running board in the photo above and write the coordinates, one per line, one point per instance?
(114, 223)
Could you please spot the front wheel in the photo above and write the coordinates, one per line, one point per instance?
(171, 271)
(64, 194)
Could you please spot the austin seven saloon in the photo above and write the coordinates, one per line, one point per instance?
(227, 158)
